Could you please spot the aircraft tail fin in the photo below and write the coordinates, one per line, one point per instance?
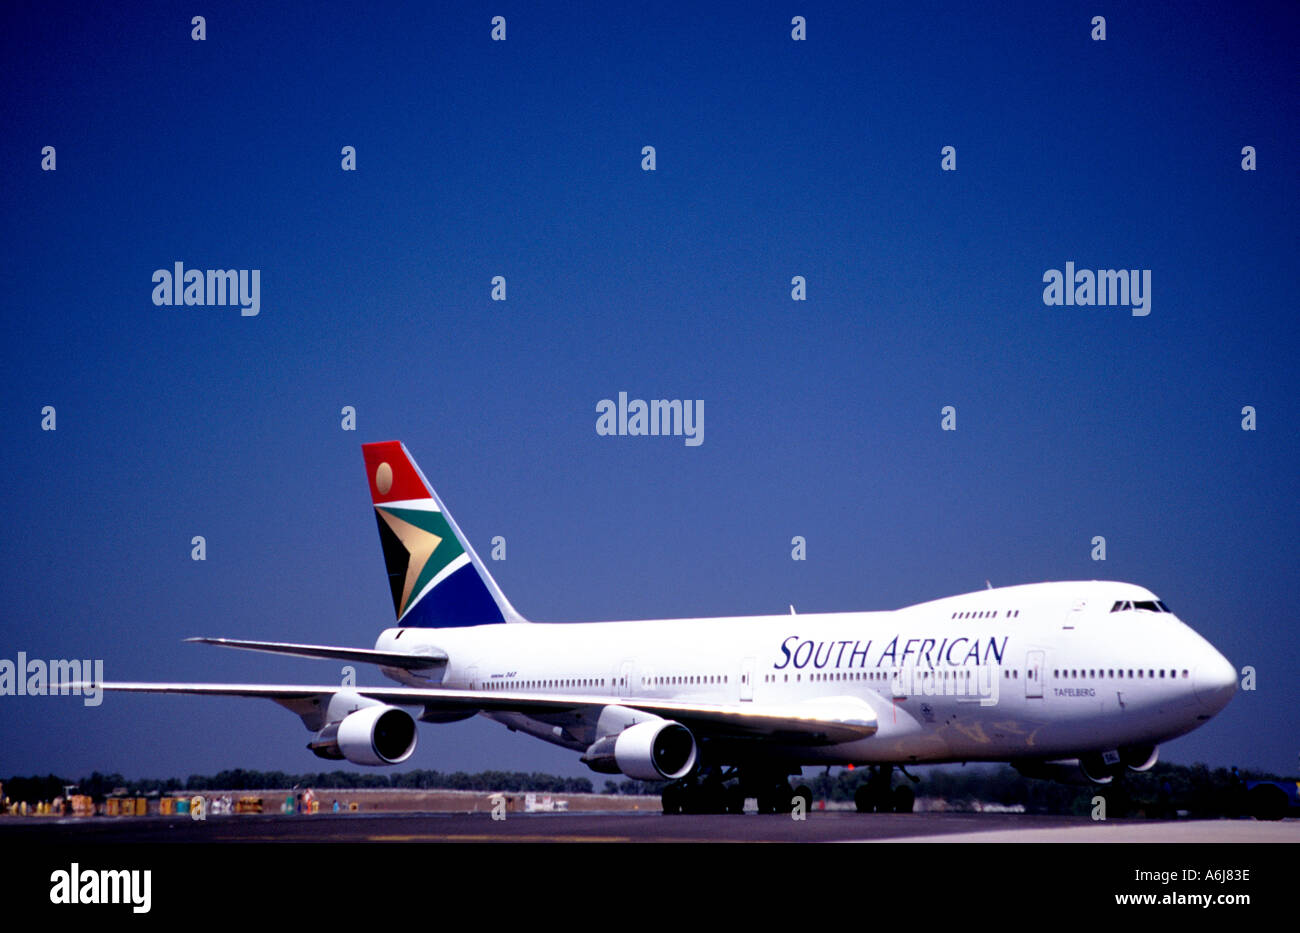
(436, 578)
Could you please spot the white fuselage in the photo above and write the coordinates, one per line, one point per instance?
(1038, 671)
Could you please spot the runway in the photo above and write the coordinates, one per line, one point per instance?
(624, 827)
(277, 865)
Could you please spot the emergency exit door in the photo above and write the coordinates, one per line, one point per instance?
(1034, 675)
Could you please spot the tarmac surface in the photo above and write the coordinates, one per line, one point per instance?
(616, 827)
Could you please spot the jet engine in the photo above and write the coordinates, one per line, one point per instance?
(1139, 757)
(1087, 770)
(373, 735)
(652, 750)
(1093, 768)
(1096, 769)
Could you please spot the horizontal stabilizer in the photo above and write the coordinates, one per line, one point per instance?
(409, 662)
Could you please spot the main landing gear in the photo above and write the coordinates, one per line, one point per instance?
(719, 790)
(710, 792)
(877, 796)
(703, 794)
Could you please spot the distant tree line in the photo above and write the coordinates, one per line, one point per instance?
(634, 788)
(1162, 791)
(492, 780)
(98, 786)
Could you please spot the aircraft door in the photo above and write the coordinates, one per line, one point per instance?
(1034, 675)
(747, 679)
(623, 687)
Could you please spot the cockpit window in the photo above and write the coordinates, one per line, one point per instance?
(1150, 605)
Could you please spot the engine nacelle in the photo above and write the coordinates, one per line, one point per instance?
(1096, 769)
(374, 735)
(1093, 768)
(654, 750)
(1074, 771)
(1139, 757)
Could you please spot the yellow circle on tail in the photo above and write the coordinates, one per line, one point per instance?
(384, 479)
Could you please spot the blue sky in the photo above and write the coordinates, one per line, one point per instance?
(775, 158)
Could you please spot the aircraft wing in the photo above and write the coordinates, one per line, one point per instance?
(827, 721)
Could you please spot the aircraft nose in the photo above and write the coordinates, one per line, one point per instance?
(1215, 681)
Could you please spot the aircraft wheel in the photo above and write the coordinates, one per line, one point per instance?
(1267, 802)
(692, 799)
(904, 799)
(672, 799)
(862, 799)
(712, 797)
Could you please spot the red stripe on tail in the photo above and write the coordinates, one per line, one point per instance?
(390, 474)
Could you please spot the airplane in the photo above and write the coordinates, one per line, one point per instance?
(1077, 681)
